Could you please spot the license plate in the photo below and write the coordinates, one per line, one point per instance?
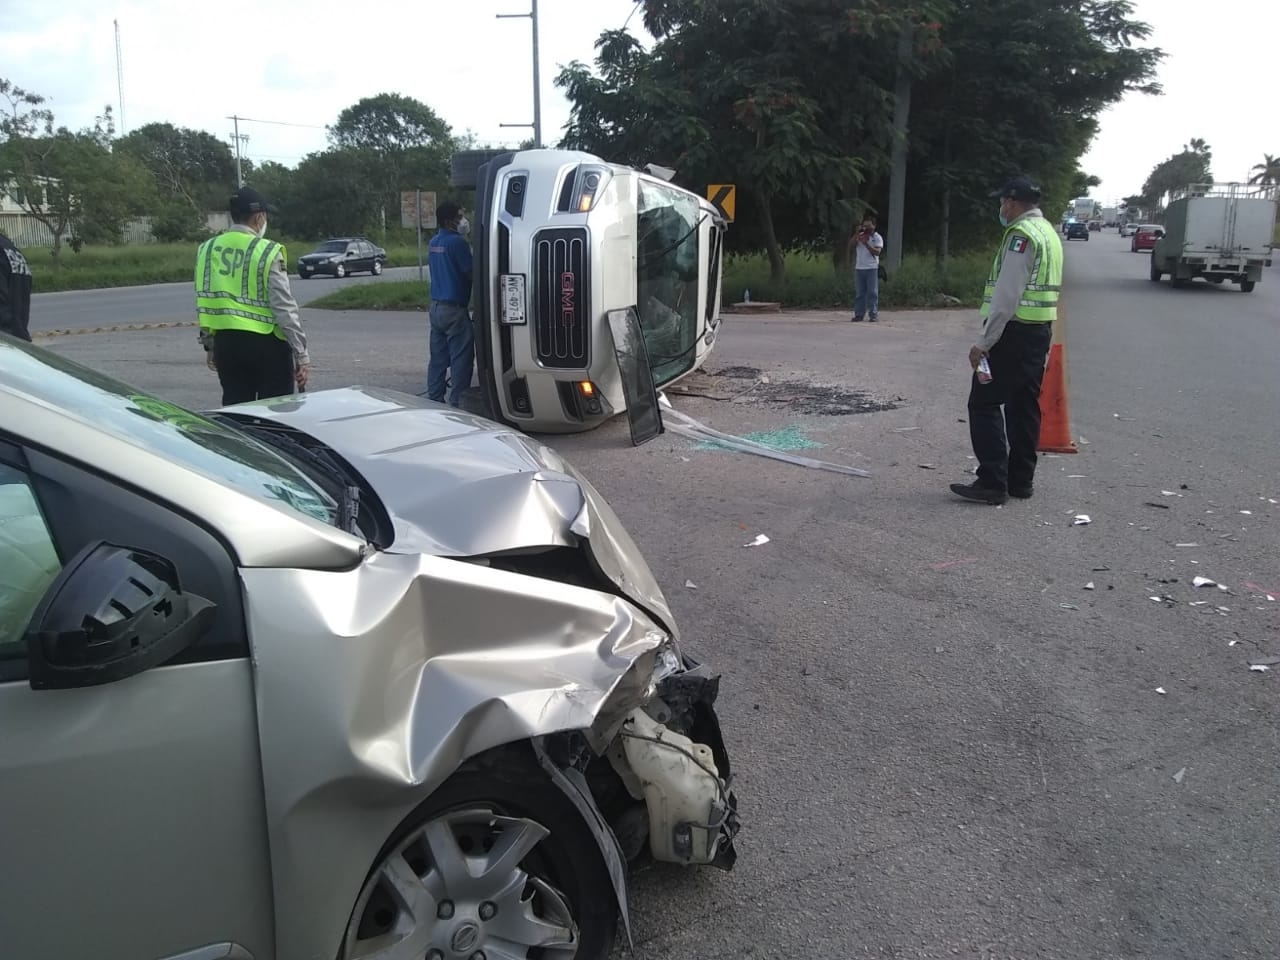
(513, 298)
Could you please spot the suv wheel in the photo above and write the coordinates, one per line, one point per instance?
(340, 271)
(377, 268)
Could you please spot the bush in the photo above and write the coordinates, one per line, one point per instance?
(813, 282)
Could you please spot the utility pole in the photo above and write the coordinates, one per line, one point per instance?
(532, 15)
(239, 138)
(898, 149)
(119, 75)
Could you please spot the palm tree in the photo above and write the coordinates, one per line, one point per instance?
(1268, 171)
(1198, 145)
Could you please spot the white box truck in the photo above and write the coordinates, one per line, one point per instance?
(1217, 231)
(595, 285)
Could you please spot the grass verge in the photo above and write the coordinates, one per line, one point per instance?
(387, 295)
(137, 264)
(814, 282)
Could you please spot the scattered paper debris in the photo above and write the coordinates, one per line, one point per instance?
(1232, 643)
(1177, 777)
(1170, 493)
(691, 585)
(1247, 513)
(1258, 667)
(1083, 440)
(1068, 606)
(904, 429)
(1156, 599)
(1161, 691)
(1186, 544)
(1199, 603)
(759, 541)
(1077, 476)
(1089, 585)
(1224, 588)
(1081, 519)
(937, 650)
(1203, 582)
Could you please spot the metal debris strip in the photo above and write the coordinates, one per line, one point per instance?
(1177, 777)
(687, 426)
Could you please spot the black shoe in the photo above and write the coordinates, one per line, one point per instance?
(1022, 493)
(980, 494)
(856, 320)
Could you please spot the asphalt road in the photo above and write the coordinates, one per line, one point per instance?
(945, 745)
(162, 302)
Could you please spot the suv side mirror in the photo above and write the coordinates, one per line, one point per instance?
(112, 613)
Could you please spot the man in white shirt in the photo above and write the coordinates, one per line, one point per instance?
(867, 245)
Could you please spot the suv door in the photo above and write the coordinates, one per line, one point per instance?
(131, 812)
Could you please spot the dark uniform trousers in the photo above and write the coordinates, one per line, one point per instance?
(252, 366)
(1017, 371)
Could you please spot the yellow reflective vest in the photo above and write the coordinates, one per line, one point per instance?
(1039, 302)
(231, 283)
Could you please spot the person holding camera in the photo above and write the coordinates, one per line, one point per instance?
(867, 245)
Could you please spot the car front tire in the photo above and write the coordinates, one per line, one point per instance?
(498, 862)
(340, 271)
(377, 268)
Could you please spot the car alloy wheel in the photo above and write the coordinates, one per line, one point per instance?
(498, 863)
(377, 268)
(340, 271)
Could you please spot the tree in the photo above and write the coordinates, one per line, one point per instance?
(1266, 172)
(796, 103)
(403, 142)
(190, 165)
(727, 105)
(1188, 167)
(65, 179)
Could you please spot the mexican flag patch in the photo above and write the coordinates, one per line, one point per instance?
(1018, 244)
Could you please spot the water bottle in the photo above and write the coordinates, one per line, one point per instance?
(746, 296)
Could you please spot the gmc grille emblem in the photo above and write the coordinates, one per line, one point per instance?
(568, 291)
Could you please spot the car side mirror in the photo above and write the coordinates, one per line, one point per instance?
(112, 613)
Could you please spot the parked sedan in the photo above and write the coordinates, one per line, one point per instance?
(340, 256)
(1146, 236)
(1077, 230)
(346, 674)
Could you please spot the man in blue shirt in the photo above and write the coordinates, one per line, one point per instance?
(452, 340)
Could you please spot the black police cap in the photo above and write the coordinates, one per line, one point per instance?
(247, 200)
(1020, 189)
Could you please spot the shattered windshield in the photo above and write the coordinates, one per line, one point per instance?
(667, 278)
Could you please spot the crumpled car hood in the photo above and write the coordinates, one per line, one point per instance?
(458, 485)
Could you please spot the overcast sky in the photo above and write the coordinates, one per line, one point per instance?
(301, 63)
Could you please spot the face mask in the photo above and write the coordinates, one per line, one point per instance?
(262, 229)
(464, 227)
(1004, 221)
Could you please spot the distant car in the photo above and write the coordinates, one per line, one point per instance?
(339, 256)
(1095, 226)
(1146, 236)
(1077, 230)
(1128, 229)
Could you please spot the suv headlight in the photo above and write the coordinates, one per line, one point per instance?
(590, 181)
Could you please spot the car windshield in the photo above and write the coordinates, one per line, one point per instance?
(332, 246)
(667, 265)
(212, 449)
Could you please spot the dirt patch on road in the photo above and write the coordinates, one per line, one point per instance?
(740, 384)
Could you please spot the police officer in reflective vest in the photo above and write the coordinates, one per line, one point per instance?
(249, 322)
(1019, 306)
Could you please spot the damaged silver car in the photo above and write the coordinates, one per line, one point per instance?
(340, 675)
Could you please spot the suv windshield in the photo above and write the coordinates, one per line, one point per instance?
(332, 246)
(211, 449)
(667, 264)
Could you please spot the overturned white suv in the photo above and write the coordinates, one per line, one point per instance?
(343, 675)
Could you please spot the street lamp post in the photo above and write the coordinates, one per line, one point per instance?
(532, 15)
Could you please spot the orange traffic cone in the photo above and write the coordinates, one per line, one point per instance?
(1055, 420)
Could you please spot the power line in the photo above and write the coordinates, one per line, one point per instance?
(280, 123)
